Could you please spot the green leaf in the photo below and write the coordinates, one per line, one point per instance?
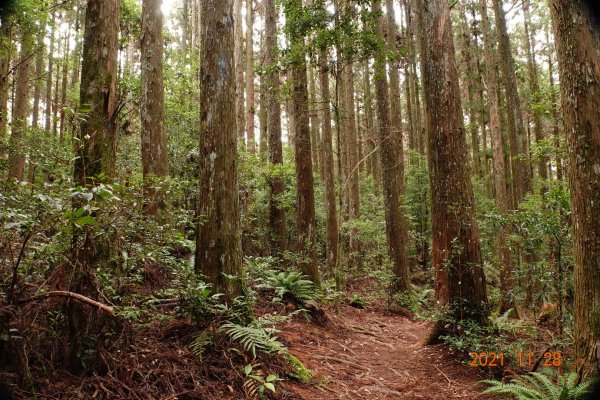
(86, 220)
(271, 378)
(247, 369)
(270, 386)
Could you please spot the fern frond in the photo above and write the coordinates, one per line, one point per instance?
(254, 338)
(201, 341)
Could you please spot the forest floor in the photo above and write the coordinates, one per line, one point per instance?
(375, 354)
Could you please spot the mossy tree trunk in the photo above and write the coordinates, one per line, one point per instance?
(578, 49)
(218, 242)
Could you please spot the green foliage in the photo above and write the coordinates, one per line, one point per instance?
(539, 385)
(257, 383)
(301, 373)
(254, 337)
(202, 340)
(290, 284)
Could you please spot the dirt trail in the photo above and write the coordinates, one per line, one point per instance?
(372, 354)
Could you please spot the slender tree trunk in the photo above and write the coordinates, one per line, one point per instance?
(456, 252)
(395, 101)
(517, 134)
(263, 142)
(500, 181)
(534, 89)
(555, 117)
(218, 241)
(395, 221)
(305, 199)
(6, 50)
(48, 112)
(64, 84)
(328, 170)
(16, 157)
(472, 92)
(276, 211)
(250, 141)
(155, 163)
(39, 70)
(240, 109)
(578, 50)
(55, 92)
(315, 133)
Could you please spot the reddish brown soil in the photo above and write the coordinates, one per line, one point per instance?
(373, 354)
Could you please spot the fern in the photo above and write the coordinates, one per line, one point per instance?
(201, 341)
(254, 338)
(539, 386)
(293, 284)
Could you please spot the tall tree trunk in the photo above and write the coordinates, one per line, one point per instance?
(98, 93)
(55, 92)
(305, 198)
(555, 115)
(578, 50)
(315, 133)
(263, 142)
(155, 163)
(500, 181)
(16, 157)
(395, 105)
(240, 108)
(395, 221)
(39, 70)
(276, 211)
(6, 50)
(470, 71)
(534, 89)
(250, 141)
(185, 28)
(518, 137)
(456, 252)
(64, 84)
(95, 153)
(48, 112)
(218, 241)
(328, 170)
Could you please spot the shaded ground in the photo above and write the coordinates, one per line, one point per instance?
(373, 354)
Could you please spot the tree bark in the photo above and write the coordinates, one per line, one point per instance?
(95, 161)
(474, 101)
(555, 116)
(395, 221)
(534, 89)
(395, 105)
(500, 181)
(155, 163)
(328, 170)
(250, 141)
(276, 211)
(305, 198)
(48, 111)
(16, 157)
(578, 50)
(98, 93)
(240, 108)
(218, 242)
(518, 137)
(6, 50)
(456, 251)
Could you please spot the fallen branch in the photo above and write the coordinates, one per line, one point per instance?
(445, 376)
(70, 295)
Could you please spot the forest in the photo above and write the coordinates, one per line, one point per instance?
(299, 199)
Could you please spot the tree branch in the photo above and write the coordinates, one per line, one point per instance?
(70, 295)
